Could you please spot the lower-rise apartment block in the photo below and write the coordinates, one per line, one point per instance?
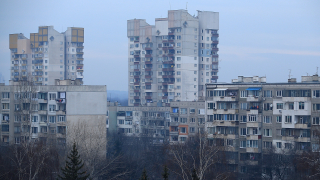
(53, 114)
(250, 117)
(165, 124)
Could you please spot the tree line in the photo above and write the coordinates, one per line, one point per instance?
(140, 158)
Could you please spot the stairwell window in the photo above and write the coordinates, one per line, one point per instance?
(301, 105)
(288, 119)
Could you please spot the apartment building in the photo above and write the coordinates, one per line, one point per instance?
(173, 59)
(47, 55)
(53, 114)
(177, 123)
(149, 121)
(250, 116)
(187, 120)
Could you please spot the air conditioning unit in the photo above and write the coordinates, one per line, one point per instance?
(280, 111)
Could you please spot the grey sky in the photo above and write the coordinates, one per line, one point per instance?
(256, 37)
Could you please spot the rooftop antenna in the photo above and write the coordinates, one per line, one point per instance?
(187, 6)
(170, 5)
(317, 71)
(290, 74)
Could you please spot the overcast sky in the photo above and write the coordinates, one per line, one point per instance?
(263, 38)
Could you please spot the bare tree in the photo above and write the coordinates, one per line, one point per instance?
(199, 155)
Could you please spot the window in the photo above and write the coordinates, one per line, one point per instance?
(301, 105)
(183, 120)
(52, 96)
(316, 107)
(183, 111)
(279, 119)
(211, 105)
(252, 143)
(279, 145)
(61, 119)
(35, 130)
(243, 131)
(192, 120)
(279, 93)
(178, 79)
(279, 105)
(252, 118)
(192, 130)
(287, 145)
(242, 144)
(267, 132)
(243, 94)
(267, 144)
(229, 142)
(178, 44)
(243, 118)
(316, 94)
(52, 119)
(178, 37)
(183, 130)
(315, 120)
(5, 106)
(267, 119)
(52, 108)
(121, 121)
(5, 95)
(17, 140)
(192, 111)
(16, 129)
(288, 119)
(178, 65)
(244, 106)
(291, 105)
(34, 118)
(267, 93)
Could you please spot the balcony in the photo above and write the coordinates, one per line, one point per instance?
(302, 126)
(136, 97)
(42, 112)
(215, 42)
(296, 99)
(148, 69)
(287, 138)
(136, 56)
(302, 139)
(136, 90)
(254, 99)
(42, 100)
(252, 150)
(226, 98)
(253, 136)
(148, 62)
(148, 97)
(79, 68)
(61, 101)
(215, 49)
(148, 55)
(61, 112)
(227, 111)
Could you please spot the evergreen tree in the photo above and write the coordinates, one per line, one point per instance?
(144, 175)
(165, 173)
(73, 167)
(194, 175)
